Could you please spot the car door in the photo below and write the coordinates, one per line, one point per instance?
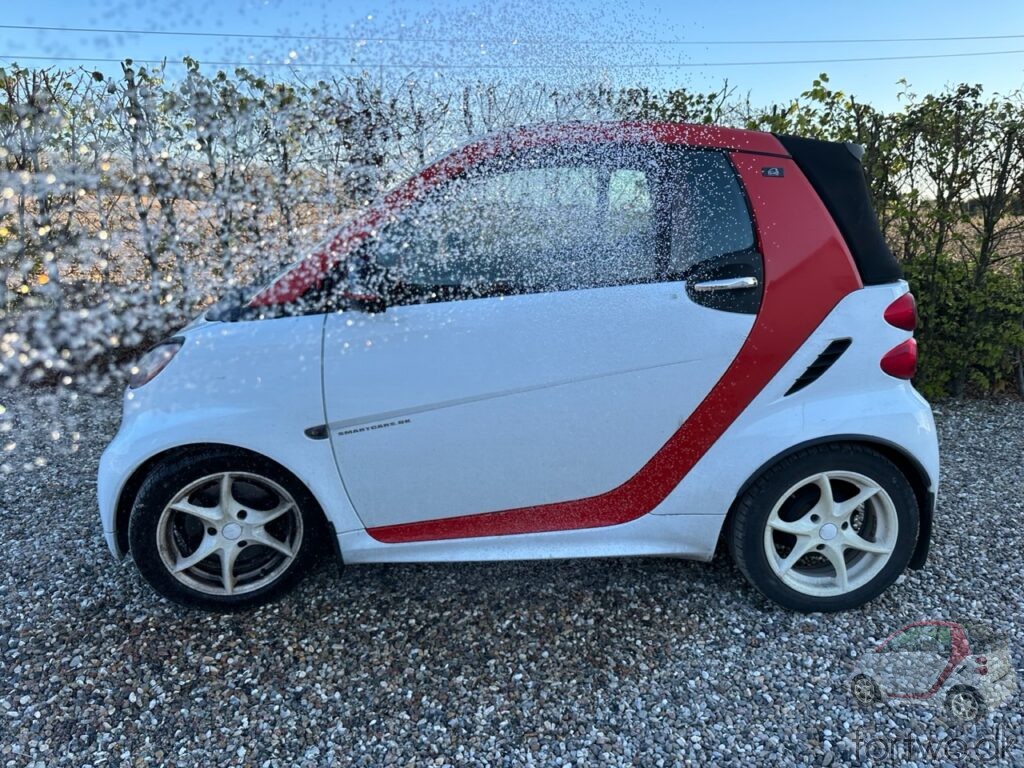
(888, 664)
(915, 660)
(544, 338)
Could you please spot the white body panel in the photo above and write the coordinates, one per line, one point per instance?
(490, 404)
(853, 399)
(253, 385)
(257, 385)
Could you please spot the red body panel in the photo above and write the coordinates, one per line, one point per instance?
(808, 270)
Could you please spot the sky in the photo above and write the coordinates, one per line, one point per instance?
(659, 44)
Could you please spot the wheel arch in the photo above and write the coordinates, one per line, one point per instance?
(960, 687)
(912, 469)
(130, 488)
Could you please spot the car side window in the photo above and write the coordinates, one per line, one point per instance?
(520, 230)
(709, 215)
(913, 639)
(582, 218)
(897, 643)
(630, 216)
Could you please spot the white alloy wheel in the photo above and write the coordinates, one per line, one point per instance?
(964, 706)
(831, 533)
(229, 533)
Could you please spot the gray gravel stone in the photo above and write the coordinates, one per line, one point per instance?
(602, 662)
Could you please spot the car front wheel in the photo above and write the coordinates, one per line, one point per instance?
(865, 690)
(826, 529)
(222, 531)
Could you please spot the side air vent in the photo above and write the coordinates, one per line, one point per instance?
(824, 361)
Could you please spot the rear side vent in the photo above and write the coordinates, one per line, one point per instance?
(824, 361)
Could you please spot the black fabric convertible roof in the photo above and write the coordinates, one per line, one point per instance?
(835, 172)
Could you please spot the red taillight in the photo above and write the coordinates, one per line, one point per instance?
(902, 313)
(983, 660)
(901, 360)
(982, 670)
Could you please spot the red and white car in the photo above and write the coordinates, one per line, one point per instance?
(562, 341)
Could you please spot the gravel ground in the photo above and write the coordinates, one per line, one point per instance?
(649, 662)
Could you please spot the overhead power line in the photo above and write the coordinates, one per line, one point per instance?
(563, 65)
(498, 41)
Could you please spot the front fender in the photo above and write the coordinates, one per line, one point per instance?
(254, 385)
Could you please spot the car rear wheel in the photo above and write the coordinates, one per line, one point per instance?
(222, 531)
(964, 705)
(826, 529)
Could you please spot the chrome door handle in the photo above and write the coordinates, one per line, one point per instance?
(726, 284)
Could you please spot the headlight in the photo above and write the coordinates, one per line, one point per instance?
(154, 361)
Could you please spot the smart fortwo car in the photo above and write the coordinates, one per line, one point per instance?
(578, 340)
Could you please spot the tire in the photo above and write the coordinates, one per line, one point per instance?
(963, 705)
(813, 551)
(865, 690)
(268, 525)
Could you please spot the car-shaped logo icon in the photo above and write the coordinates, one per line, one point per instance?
(966, 669)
